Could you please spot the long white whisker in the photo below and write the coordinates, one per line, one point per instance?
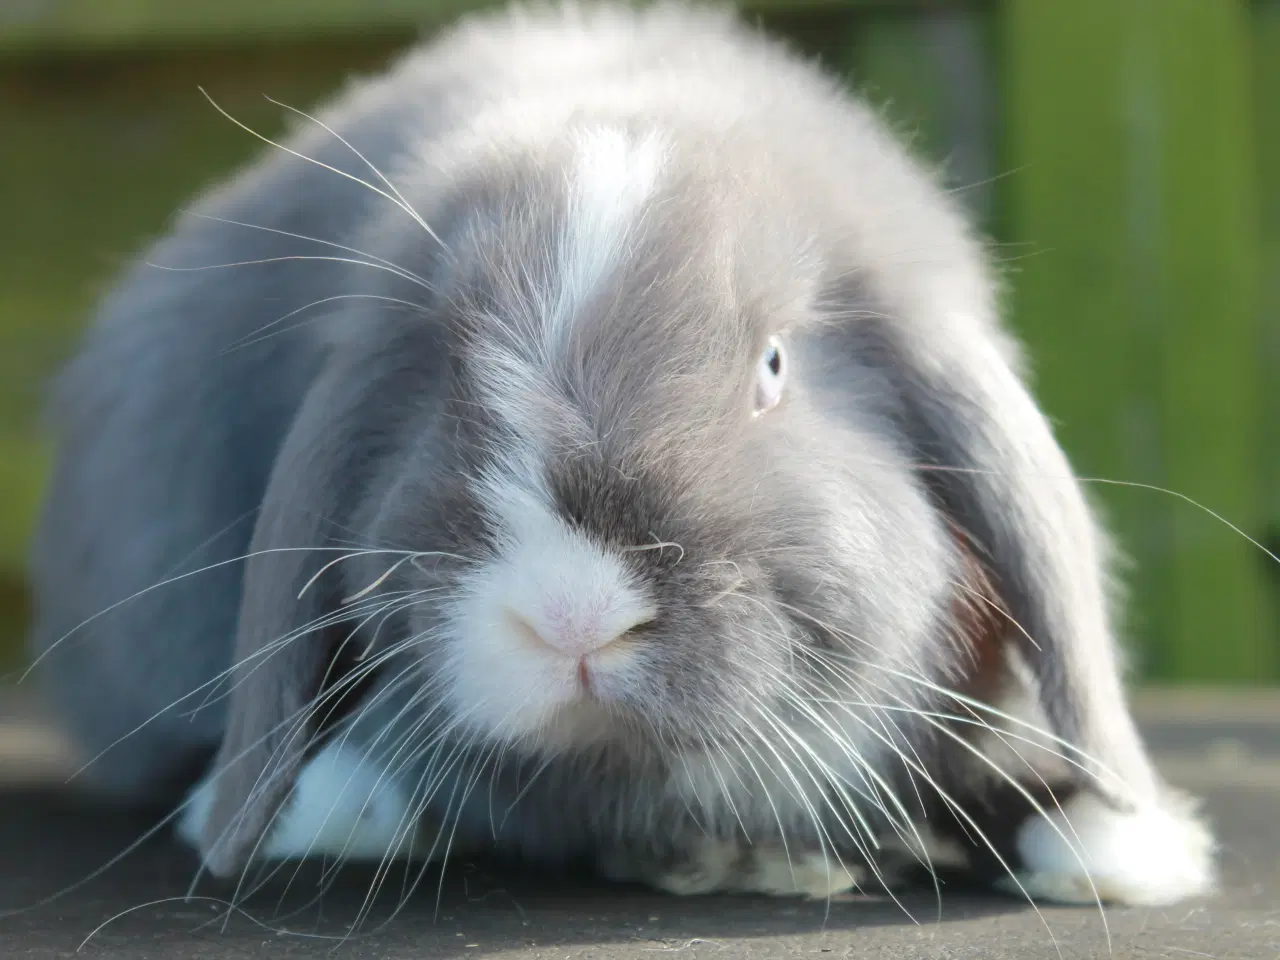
(1022, 791)
(287, 258)
(408, 274)
(399, 197)
(833, 780)
(920, 680)
(175, 579)
(260, 336)
(265, 652)
(342, 173)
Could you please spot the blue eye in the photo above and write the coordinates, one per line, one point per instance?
(771, 372)
(773, 360)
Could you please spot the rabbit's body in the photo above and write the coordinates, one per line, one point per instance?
(685, 390)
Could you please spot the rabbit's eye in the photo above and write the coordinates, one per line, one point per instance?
(771, 374)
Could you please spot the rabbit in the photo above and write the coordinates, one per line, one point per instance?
(593, 438)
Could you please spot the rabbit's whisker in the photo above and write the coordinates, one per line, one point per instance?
(394, 197)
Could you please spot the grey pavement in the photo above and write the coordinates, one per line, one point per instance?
(1225, 748)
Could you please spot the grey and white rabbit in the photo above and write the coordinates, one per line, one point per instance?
(594, 437)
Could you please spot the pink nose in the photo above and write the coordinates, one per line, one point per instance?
(573, 634)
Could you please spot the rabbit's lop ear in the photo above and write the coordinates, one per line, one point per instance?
(281, 656)
(1002, 476)
(990, 455)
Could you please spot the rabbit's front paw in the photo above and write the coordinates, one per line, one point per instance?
(342, 806)
(1089, 851)
(724, 866)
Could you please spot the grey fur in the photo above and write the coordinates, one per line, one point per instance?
(185, 439)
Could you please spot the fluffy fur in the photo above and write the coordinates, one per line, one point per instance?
(464, 444)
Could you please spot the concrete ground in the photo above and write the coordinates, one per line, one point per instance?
(1225, 748)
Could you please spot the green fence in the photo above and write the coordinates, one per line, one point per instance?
(1125, 154)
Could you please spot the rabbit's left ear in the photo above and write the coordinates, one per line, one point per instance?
(282, 660)
(1118, 832)
(990, 455)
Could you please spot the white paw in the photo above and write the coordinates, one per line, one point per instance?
(194, 813)
(812, 875)
(726, 867)
(1152, 856)
(341, 806)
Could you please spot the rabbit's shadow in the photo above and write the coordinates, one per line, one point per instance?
(51, 841)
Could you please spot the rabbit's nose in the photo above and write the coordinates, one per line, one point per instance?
(576, 629)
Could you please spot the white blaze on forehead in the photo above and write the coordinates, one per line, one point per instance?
(613, 176)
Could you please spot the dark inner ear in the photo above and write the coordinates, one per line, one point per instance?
(981, 623)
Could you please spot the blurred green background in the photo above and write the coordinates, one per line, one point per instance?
(1124, 155)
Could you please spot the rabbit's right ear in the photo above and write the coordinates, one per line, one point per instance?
(281, 658)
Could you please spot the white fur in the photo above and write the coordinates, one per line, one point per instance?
(612, 178)
(342, 806)
(522, 624)
(1153, 856)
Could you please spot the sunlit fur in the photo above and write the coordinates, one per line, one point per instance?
(482, 338)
